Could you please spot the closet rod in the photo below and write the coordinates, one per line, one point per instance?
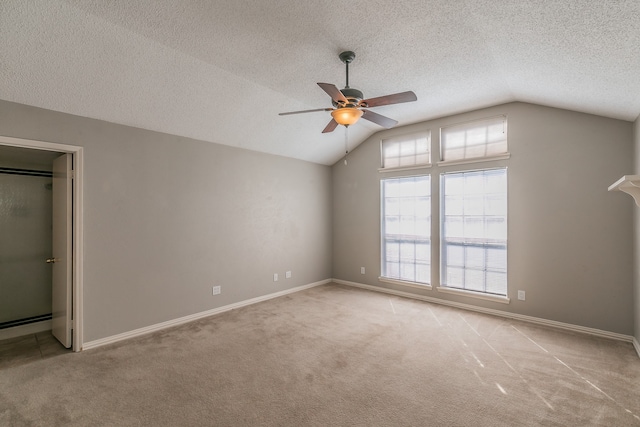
(25, 321)
(26, 172)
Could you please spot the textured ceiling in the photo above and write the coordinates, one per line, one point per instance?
(221, 71)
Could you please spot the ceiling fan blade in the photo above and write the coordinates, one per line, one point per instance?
(396, 98)
(379, 119)
(330, 127)
(305, 111)
(333, 92)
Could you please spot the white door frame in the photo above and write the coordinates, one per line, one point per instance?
(78, 167)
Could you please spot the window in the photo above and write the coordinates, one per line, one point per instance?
(406, 229)
(406, 151)
(471, 207)
(474, 231)
(474, 140)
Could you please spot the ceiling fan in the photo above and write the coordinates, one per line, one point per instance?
(349, 105)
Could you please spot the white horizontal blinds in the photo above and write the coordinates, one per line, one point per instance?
(406, 229)
(474, 231)
(406, 150)
(481, 138)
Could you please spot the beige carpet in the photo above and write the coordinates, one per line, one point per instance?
(334, 356)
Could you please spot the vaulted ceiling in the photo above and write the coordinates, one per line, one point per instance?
(221, 71)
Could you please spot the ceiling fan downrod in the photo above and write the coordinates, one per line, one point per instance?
(347, 57)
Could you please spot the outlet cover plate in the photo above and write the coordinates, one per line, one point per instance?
(275, 277)
(216, 290)
(521, 295)
(287, 275)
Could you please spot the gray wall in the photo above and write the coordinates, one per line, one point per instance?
(166, 218)
(570, 240)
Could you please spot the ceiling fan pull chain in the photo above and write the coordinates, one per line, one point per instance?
(346, 144)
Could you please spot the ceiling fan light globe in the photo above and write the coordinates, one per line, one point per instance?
(346, 116)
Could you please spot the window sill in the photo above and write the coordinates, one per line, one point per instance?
(472, 294)
(405, 283)
(475, 160)
(404, 168)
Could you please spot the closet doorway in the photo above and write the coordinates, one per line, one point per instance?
(45, 180)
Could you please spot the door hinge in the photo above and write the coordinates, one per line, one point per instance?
(72, 174)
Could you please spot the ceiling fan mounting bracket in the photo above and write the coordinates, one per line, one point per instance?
(347, 56)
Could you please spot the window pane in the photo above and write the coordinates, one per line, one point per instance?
(393, 269)
(454, 185)
(474, 204)
(406, 228)
(454, 205)
(423, 205)
(455, 277)
(391, 149)
(407, 206)
(474, 280)
(496, 228)
(475, 257)
(423, 253)
(423, 273)
(407, 272)
(473, 227)
(392, 188)
(392, 225)
(497, 283)
(473, 140)
(497, 258)
(407, 252)
(495, 204)
(392, 251)
(406, 150)
(453, 226)
(392, 206)
(423, 227)
(474, 236)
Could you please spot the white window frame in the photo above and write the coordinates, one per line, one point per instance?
(384, 277)
(406, 138)
(472, 124)
(443, 242)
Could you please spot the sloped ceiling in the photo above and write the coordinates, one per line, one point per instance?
(221, 71)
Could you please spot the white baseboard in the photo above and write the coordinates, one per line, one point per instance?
(31, 328)
(530, 319)
(175, 322)
(46, 325)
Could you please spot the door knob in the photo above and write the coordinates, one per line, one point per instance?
(52, 260)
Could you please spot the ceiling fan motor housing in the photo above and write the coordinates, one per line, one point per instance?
(354, 96)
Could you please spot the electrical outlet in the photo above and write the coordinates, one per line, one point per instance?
(361, 270)
(521, 295)
(216, 290)
(287, 275)
(275, 277)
